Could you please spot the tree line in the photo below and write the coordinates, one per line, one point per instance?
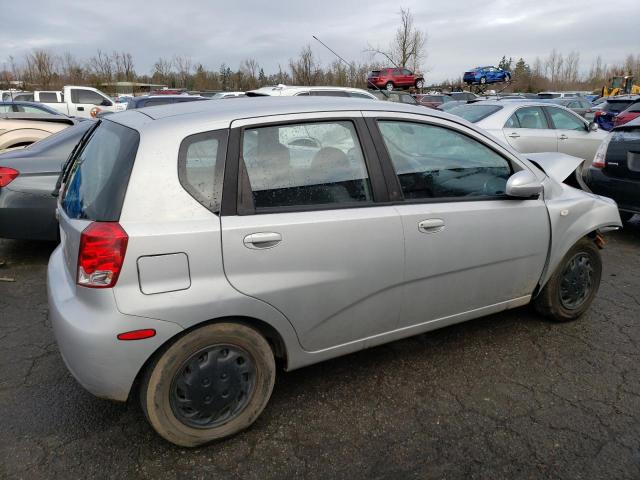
(45, 69)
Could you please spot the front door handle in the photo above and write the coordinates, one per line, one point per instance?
(431, 225)
(262, 240)
(514, 135)
(563, 137)
(81, 109)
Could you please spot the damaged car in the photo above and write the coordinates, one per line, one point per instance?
(205, 244)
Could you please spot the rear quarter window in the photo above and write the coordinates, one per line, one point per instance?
(201, 167)
(99, 176)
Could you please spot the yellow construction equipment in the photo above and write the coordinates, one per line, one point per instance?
(621, 85)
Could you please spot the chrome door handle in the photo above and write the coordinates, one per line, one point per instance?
(563, 137)
(262, 240)
(514, 135)
(431, 225)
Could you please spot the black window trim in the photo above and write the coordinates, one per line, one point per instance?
(219, 169)
(238, 200)
(393, 182)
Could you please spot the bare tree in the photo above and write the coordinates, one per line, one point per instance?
(250, 69)
(72, 71)
(183, 64)
(41, 67)
(101, 65)
(304, 70)
(162, 70)
(123, 65)
(408, 46)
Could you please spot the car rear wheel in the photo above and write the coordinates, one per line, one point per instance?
(208, 385)
(483, 80)
(389, 86)
(419, 83)
(574, 284)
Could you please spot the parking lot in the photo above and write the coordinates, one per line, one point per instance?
(507, 396)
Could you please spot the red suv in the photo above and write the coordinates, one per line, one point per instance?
(391, 78)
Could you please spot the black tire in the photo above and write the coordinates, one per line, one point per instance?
(160, 392)
(626, 216)
(389, 86)
(419, 83)
(507, 78)
(554, 299)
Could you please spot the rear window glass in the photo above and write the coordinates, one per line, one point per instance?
(474, 113)
(48, 97)
(100, 173)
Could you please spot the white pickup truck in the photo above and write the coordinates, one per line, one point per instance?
(74, 101)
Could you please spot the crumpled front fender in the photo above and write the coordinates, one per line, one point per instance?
(573, 214)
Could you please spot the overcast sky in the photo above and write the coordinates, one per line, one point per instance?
(461, 33)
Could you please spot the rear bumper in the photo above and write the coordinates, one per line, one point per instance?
(85, 323)
(27, 216)
(625, 192)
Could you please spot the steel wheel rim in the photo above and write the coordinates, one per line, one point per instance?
(577, 281)
(213, 386)
(389, 86)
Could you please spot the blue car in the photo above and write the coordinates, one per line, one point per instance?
(484, 75)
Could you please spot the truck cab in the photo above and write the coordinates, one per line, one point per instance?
(74, 101)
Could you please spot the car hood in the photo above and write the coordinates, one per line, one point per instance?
(556, 165)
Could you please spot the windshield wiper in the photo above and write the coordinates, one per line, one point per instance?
(69, 161)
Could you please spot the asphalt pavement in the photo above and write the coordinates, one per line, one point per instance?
(506, 396)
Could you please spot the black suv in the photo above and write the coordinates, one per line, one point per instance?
(615, 171)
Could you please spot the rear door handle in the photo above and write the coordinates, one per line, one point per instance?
(262, 240)
(563, 137)
(81, 109)
(432, 225)
(514, 135)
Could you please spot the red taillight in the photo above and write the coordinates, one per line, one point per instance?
(137, 334)
(101, 254)
(7, 175)
(599, 113)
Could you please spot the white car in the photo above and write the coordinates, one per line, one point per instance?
(75, 101)
(293, 91)
(531, 127)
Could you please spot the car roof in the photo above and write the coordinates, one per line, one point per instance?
(201, 115)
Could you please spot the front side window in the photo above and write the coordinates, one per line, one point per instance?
(305, 164)
(201, 165)
(563, 120)
(528, 117)
(437, 162)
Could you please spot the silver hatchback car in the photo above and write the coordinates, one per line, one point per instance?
(201, 242)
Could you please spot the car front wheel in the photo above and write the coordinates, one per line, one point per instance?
(389, 86)
(419, 83)
(574, 284)
(483, 80)
(209, 384)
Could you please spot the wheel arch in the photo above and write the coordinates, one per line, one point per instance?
(273, 337)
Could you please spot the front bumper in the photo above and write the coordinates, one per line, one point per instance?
(85, 323)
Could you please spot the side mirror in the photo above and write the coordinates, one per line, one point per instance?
(106, 103)
(593, 127)
(523, 184)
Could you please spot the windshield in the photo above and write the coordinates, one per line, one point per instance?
(474, 112)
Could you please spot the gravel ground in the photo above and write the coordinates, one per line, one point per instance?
(505, 396)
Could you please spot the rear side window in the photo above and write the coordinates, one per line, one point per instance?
(48, 97)
(437, 162)
(616, 107)
(100, 173)
(528, 117)
(305, 164)
(201, 165)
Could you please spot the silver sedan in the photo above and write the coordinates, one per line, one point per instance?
(531, 127)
